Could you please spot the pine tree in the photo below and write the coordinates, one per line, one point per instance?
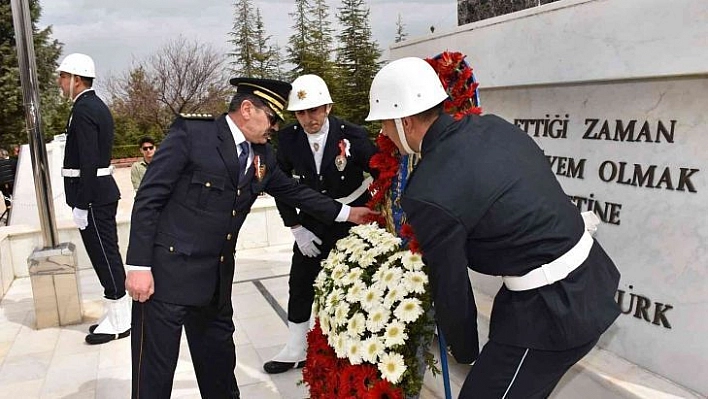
(264, 56)
(243, 39)
(298, 51)
(357, 61)
(278, 62)
(400, 30)
(321, 40)
(54, 110)
(310, 46)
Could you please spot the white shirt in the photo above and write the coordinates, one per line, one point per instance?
(238, 139)
(319, 139)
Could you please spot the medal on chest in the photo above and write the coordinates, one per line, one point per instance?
(259, 168)
(341, 160)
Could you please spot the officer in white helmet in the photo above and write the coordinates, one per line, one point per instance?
(483, 197)
(331, 156)
(92, 193)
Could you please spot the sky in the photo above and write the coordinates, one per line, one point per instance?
(118, 32)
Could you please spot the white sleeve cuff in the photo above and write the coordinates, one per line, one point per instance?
(138, 268)
(343, 214)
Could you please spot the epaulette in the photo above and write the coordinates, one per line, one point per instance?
(198, 116)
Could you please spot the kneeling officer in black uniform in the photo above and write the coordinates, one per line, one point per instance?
(484, 197)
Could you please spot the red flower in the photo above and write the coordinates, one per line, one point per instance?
(407, 233)
(383, 390)
(457, 78)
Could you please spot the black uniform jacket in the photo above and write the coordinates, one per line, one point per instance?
(190, 207)
(295, 159)
(483, 196)
(89, 143)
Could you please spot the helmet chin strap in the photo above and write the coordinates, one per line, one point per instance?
(71, 88)
(402, 136)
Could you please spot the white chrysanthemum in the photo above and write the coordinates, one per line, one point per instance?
(374, 235)
(378, 274)
(372, 349)
(367, 259)
(324, 324)
(371, 298)
(339, 344)
(409, 310)
(411, 261)
(335, 297)
(341, 314)
(356, 292)
(395, 334)
(366, 230)
(354, 350)
(338, 272)
(321, 280)
(357, 251)
(344, 243)
(394, 295)
(392, 366)
(415, 281)
(392, 277)
(356, 325)
(377, 319)
(389, 244)
(355, 244)
(338, 257)
(353, 275)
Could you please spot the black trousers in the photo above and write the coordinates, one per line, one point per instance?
(155, 341)
(510, 372)
(100, 239)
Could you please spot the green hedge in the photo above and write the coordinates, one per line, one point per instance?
(126, 151)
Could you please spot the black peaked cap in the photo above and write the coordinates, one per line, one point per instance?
(273, 92)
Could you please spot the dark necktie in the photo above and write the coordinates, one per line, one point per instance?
(242, 159)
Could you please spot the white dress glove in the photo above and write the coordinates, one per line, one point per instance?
(80, 218)
(306, 241)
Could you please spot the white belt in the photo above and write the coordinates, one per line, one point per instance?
(356, 193)
(77, 172)
(555, 271)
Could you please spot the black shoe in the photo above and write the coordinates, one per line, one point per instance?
(275, 367)
(92, 328)
(97, 339)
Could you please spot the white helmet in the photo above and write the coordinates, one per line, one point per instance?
(309, 91)
(78, 64)
(404, 87)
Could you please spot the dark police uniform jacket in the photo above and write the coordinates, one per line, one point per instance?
(89, 143)
(295, 159)
(483, 196)
(190, 208)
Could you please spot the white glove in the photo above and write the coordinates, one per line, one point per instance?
(80, 218)
(306, 241)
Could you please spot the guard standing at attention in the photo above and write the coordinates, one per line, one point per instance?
(92, 193)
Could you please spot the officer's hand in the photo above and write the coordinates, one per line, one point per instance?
(140, 285)
(306, 241)
(361, 215)
(80, 218)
